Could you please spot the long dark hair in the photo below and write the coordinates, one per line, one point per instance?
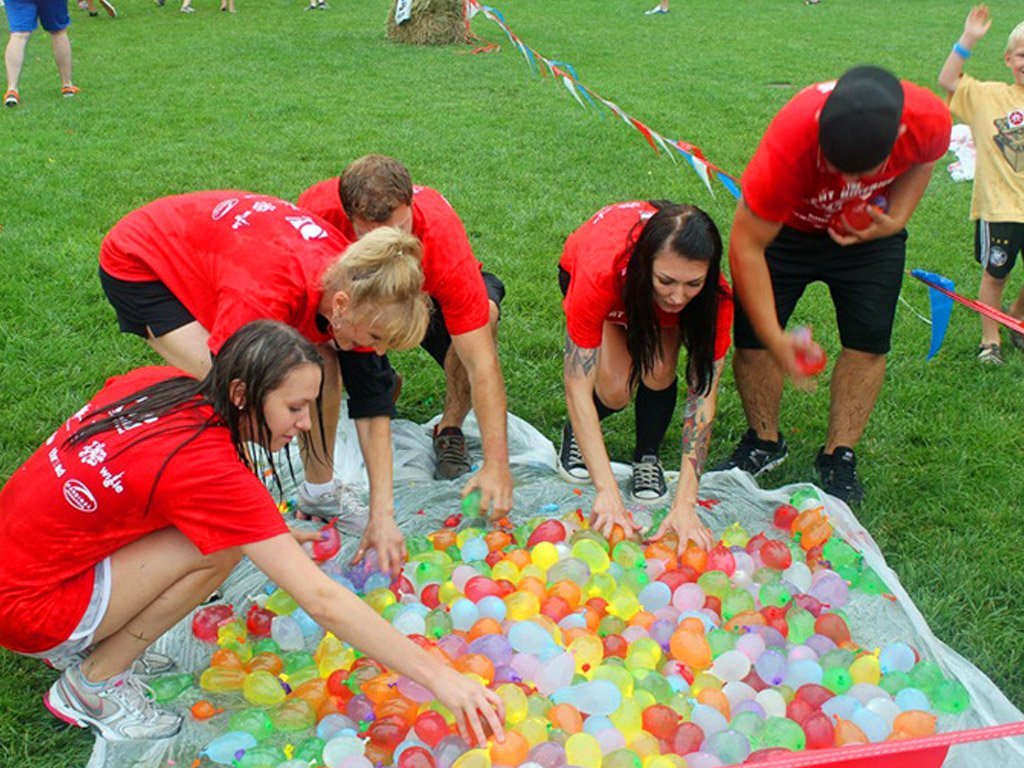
(691, 234)
(260, 355)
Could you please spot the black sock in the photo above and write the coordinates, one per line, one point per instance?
(603, 411)
(654, 410)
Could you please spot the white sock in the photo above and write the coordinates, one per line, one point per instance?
(318, 489)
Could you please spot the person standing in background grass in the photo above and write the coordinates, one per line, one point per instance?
(376, 191)
(995, 113)
(866, 142)
(642, 280)
(23, 16)
(90, 6)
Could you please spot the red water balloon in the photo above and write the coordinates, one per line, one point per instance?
(416, 757)
(818, 729)
(814, 694)
(687, 738)
(549, 530)
(431, 727)
(775, 554)
(208, 619)
(257, 621)
(720, 558)
(784, 516)
(329, 544)
(660, 721)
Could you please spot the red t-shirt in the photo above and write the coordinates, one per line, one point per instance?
(451, 273)
(67, 508)
(787, 180)
(229, 257)
(596, 256)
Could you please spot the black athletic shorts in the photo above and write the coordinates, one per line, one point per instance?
(142, 305)
(863, 279)
(369, 378)
(996, 245)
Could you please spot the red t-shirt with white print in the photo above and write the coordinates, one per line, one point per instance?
(69, 507)
(596, 256)
(451, 273)
(230, 257)
(787, 180)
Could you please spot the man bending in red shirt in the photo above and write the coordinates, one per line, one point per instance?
(376, 191)
(826, 197)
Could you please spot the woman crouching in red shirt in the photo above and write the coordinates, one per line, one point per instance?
(140, 505)
(642, 280)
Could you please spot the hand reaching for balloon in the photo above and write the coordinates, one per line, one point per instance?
(687, 527)
(494, 483)
(609, 511)
(305, 536)
(476, 709)
(383, 534)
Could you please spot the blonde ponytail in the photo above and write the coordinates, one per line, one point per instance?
(383, 277)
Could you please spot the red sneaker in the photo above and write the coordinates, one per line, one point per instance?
(11, 98)
(68, 91)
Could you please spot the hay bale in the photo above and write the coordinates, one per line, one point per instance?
(433, 22)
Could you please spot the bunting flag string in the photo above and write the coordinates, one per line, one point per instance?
(562, 71)
(942, 295)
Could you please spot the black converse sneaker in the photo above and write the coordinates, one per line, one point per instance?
(838, 473)
(570, 460)
(649, 480)
(754, 455)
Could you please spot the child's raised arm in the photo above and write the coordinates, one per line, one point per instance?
(975, 26)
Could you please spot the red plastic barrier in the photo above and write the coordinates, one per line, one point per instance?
(923, 752)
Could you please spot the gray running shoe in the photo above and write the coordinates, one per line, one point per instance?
(149, 664)
(122, 709)
(990, 354)
(754, 455)
(341, 504)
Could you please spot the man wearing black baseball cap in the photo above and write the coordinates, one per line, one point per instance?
(826, 197)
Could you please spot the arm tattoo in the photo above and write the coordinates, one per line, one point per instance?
(697, 425)
(696, 432)
(579, 362)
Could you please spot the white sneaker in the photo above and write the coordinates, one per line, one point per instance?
(122, 709)
(149, 664)
(654, 10)
(341, 504)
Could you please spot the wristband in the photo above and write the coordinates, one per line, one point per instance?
(960, 51)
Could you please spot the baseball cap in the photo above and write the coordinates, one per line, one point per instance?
(860, 120)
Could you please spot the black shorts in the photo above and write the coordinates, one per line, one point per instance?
(863, 279)
(369, 378)
(141, 305)
(996, 245)
(438, 340)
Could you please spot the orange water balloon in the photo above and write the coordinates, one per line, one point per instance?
(566, 717)
(848, 733)
(714, 697)
(913, 723)
(204, 710)
(476, 664)
(511, 752)
(691, 649)
(695, 557)
(483, 627)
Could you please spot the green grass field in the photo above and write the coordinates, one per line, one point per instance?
(274, 99)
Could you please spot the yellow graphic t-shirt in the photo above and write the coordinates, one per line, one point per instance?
(995, 113)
